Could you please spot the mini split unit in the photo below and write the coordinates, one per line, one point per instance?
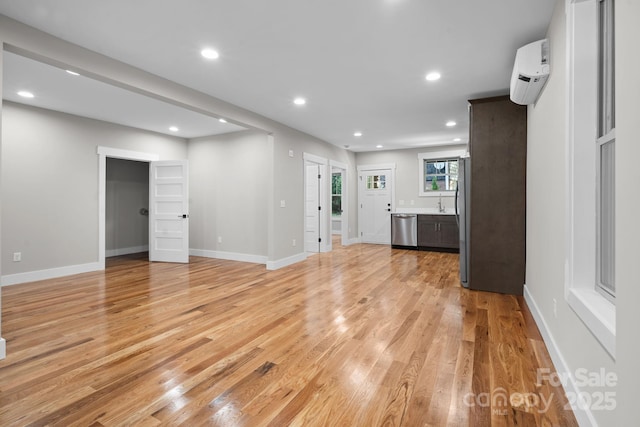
(530, 72)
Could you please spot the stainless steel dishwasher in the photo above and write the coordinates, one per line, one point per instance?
(404, 230)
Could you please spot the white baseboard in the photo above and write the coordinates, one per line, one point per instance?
(52, 273)
(584, 416)
(354, 241)
(3, 348)
(231, 256)
(274, 265)
(126, 251)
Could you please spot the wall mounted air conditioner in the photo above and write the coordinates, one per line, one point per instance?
(530, 72)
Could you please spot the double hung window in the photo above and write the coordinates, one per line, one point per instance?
(605, 151)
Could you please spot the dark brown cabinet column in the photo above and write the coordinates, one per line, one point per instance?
(498, 148)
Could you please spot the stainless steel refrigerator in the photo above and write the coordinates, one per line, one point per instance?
(462, 205)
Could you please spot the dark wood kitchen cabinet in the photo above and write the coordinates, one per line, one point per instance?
(497, 204)
(438, 232)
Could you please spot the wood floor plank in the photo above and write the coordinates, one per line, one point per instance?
(459, 415)
(364, 335)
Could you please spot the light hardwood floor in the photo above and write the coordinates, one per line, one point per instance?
(362, 336)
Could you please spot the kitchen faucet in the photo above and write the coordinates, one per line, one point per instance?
(440, 207)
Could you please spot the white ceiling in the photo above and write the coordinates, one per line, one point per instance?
(55, 89)
(359, 63)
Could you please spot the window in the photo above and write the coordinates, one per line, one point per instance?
(438, 171)
(440, 175)
(605, 151)
(590, 284)
(376, 182)
(336, 194)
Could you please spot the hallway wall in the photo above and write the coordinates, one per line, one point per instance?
(49, 184)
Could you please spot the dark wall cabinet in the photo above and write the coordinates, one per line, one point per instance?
(497, 205)
(438, 232)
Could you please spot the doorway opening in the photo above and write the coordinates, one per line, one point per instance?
(127, 208)
(339, 204)
(112, 153)
(168, 205)
(326, 217)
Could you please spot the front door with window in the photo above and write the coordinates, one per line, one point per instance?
(375, 198)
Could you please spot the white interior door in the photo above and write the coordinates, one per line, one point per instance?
(312, 207)
(375, 194)
(169, 211)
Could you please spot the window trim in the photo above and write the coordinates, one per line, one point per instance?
(447, 172)
(595, 311)
(435, 156)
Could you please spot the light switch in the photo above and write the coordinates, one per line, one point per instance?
(282, 204)
(290, 153)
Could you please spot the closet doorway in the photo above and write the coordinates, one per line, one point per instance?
(126, 207)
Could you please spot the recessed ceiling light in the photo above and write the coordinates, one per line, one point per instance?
(25, 94)
(73, 73)
(451, 123)
(221, 120)
(433, 76)
(299, 101)
(457, 139)
(174, 129)
(357, 134)
(210, 53)
(379, 146)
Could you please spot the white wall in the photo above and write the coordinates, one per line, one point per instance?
(546, 246)
(2, 341)
(407, 179)
(127, 191)
(237, 182)
(627, 208)
(234, 189)
(228, 184)
(288, 185)
(49, 183)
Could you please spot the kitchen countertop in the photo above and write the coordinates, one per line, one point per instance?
(425, 211)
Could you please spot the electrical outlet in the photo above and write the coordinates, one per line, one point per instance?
(293, 242)
(17, 256)
(219, 239)
(555, 308)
